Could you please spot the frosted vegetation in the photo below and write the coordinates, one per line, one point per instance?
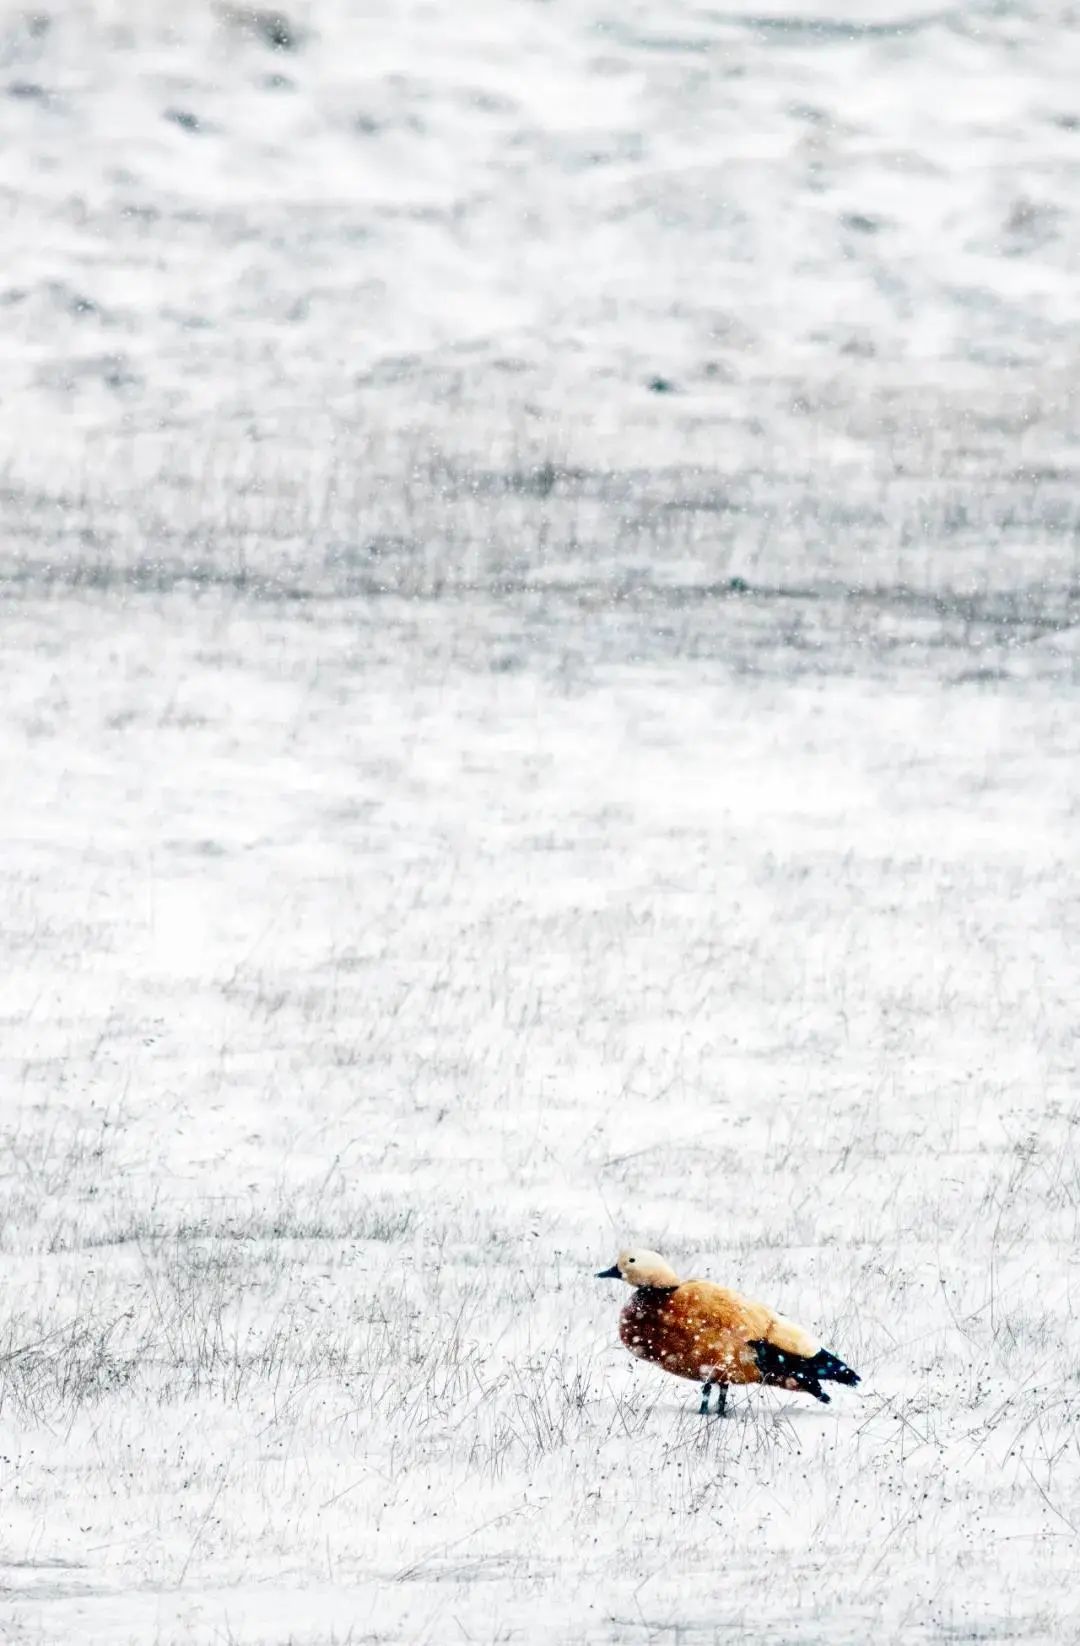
(541, 572)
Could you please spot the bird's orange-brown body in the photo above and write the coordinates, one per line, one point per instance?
(704, 1332)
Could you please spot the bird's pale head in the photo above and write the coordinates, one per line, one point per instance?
(639, 1267)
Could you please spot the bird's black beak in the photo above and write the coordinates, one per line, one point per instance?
(610, 1274)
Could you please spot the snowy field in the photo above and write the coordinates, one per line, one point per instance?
(541, 582)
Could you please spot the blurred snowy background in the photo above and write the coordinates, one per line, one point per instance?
(362, 296)
(540, 554)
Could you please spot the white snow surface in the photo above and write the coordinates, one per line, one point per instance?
(435, 295)
(535, 207)
(540, 595)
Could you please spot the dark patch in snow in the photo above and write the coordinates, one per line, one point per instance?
(74, 302)
(861, 223)
(979, 677)
(827, 29)
(272, 28)
(184, 119)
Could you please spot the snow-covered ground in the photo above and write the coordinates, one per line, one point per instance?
(366, 987)
(541, 580)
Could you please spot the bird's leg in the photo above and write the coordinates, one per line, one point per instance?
(706, 1391)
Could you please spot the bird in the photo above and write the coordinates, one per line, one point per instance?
(715, 1337)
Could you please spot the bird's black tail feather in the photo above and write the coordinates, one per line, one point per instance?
(832, 1369)
(805, 1372)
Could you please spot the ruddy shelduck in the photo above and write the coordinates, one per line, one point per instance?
(715, 1337)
